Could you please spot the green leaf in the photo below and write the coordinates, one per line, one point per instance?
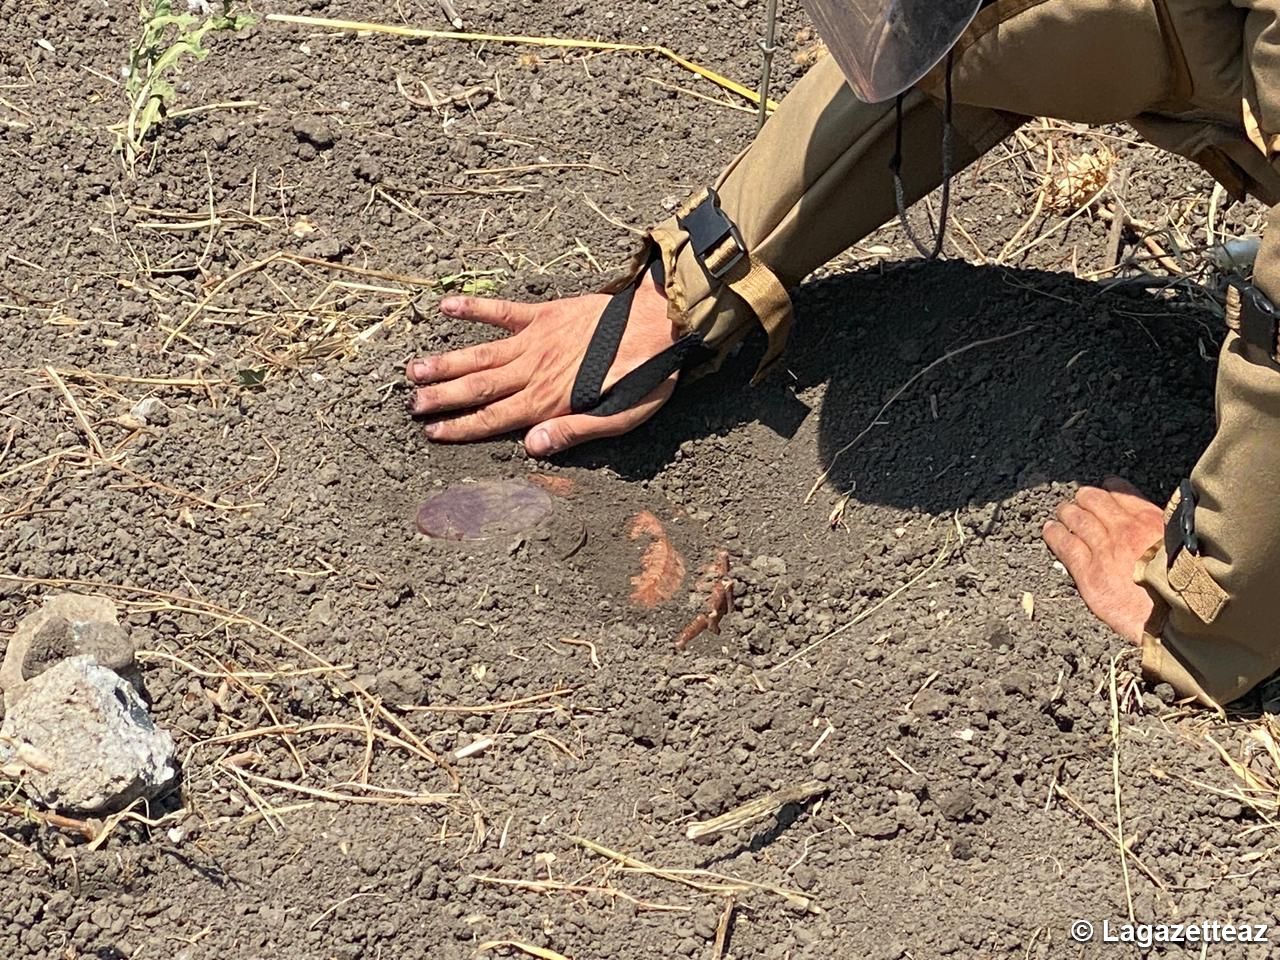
(252, 378)
(481, 287)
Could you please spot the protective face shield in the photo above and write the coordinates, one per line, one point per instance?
(885, 46)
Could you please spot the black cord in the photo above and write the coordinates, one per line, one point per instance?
(900, 193)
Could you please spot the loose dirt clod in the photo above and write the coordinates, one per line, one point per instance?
(65, 625)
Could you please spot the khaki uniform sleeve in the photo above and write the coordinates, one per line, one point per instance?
(1216, 630)
(813, 183)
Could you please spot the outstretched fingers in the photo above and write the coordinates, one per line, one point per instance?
(459, 363)
(503, 416)
(507, 314)
(477, 389)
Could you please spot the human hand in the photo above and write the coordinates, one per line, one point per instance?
(525, 380)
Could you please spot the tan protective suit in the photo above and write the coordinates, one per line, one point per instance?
(1198, 77)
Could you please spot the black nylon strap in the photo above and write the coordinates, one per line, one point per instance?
(588, 385)
(1180, 530)
(640, 382)
(590, 397)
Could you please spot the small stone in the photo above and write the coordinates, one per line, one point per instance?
(878, 828)
(82, 740)
(805, 876)
(714, 796)
(108, 643)
(67, 624)
(646, 726)
(367, 168)
(705, 922)
(326, 248)
(399, 685)
(151, 411)
(931, 703)
(955, 804)
(770, 566)
(313, 130)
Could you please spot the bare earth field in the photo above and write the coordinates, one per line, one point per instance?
(910, 650)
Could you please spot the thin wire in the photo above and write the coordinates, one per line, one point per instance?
(900, 193)
(767, 48)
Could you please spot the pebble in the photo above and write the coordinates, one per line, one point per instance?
(152, 411)
(770, 566)
(314, 131)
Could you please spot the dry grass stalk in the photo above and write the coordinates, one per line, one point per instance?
(92, 376)
(87, 829)
(756, 810)
(556, 886)
(1115, 779)
(94, 443)
(505, 706)
(1257, 768)
(1061, 791)
(703, 881)
(542, 953)
(377, 795)
(358, 26)
(722, 930)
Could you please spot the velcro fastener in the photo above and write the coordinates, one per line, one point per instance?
(1186, 574)
(1198, 590)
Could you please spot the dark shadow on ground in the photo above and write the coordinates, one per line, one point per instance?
(1104, 381)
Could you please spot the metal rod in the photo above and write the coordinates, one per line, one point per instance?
(767, 48)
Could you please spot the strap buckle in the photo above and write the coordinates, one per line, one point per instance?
(708, 227)
(1257, 320)
(1180, 531)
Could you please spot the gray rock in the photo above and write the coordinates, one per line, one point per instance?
(714, 796)
(770, 566)
(81, 739)
(326, 248)
(151, 411)
(105, 641)
(399, 685)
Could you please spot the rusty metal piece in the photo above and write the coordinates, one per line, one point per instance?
(719, 603)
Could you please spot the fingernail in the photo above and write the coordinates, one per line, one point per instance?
(540, 442)
(451, 306)
(418, 370)
(431, 430)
